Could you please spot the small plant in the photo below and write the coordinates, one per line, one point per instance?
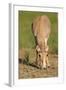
(27, 58)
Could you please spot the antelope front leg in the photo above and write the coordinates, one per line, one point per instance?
(47, 61)
(37, 55)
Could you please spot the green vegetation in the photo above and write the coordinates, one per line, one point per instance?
(26, 38)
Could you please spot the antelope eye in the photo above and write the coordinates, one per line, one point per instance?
(39, 55)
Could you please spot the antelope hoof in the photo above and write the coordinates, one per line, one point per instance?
(48, 66)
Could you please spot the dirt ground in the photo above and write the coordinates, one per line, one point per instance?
(28, 69)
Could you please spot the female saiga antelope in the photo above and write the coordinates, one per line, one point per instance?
(41, 27)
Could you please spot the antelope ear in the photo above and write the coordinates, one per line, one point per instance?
(37, 48)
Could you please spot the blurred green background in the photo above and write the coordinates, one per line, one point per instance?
(26, 38)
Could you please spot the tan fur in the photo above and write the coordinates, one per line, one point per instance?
(41, 30)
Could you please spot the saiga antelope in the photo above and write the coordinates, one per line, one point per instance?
(41, 28)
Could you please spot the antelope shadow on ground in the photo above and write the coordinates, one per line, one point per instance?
(26, 62)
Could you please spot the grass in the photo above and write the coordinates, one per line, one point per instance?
(26, 38)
